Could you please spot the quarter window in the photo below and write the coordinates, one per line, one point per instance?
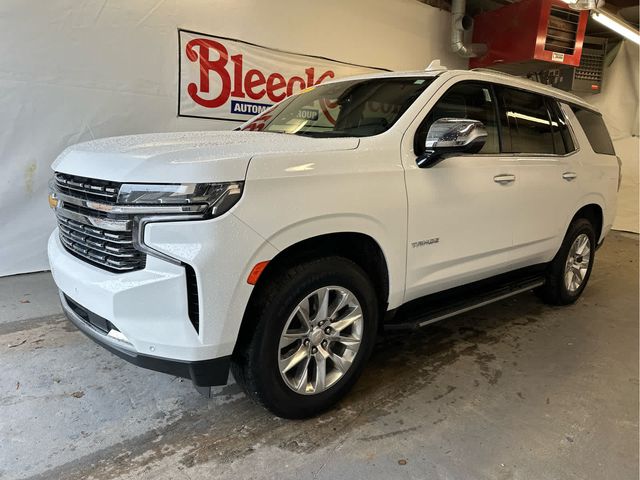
(595, 130)
(464, 100)
(526, 122)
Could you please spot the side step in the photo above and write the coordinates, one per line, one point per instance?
(459, 300)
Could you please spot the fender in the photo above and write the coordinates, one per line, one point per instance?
(288, 199)
(308, 228)
(592, 198)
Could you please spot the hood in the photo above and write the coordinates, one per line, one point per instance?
(188, 157)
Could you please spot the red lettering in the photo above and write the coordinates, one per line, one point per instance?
(206, 66)
(291, 84)
(327, 74)
(276, 82)
(237, 76)
(254, 78)
(212, 58)
(310, 74)
(325, 105)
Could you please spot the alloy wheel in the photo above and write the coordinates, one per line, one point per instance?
(320, 340)
(577, 263)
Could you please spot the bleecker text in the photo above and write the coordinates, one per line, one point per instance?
(213, 58)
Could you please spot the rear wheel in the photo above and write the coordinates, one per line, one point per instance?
(570, 270)
(316, 325)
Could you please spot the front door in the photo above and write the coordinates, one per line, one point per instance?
(460, 211)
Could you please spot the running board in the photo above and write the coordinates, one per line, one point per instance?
(444, 306)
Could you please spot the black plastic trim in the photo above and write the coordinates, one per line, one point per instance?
(193, 301)
(203, 373)
(463, 298)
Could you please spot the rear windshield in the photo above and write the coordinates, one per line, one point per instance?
(595, 130)
(353, 108)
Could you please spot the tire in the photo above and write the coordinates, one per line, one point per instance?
(262, 363)
(558, 288)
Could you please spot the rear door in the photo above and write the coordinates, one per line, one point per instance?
(536, 134)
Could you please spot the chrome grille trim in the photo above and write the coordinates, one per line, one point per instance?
(108, 235)
(101, 260)
(96, 233)
(130, 209)
(87, 188)
(90, 229)
(104, 223)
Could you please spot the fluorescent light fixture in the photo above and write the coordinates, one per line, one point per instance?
(529, 118)
(616, 24)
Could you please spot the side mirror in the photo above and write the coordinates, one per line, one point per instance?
(447, 136)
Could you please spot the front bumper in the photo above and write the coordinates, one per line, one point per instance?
(203, 373)
(150, 306)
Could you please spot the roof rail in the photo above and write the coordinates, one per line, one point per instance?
(493, 70)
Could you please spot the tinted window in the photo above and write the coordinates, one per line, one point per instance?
(562, 140)
(353, 108)
(526, 121)
(595, 130)
(464, 100)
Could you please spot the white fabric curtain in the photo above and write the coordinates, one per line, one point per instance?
(618, 103)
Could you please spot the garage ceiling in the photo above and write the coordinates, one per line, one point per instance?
(627, 9)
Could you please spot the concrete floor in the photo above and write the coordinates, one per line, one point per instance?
(516, 390)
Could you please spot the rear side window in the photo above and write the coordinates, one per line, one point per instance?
(595, 130)
(526, 123)
(562, 139)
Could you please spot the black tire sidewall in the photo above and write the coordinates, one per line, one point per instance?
(306, 278)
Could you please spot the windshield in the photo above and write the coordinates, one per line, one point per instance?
(355, 108)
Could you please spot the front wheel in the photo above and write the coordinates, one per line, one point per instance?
(569, 271)
(316, 325)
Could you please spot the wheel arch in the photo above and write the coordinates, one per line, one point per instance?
(358, 247)
(595, 214)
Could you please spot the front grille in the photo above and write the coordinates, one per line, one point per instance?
(100, 239)
(87, 188)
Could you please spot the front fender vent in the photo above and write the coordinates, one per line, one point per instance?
(193, 303)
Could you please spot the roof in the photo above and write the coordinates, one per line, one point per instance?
(482, 74)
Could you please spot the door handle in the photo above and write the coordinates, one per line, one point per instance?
(568, 176)
(504, 179)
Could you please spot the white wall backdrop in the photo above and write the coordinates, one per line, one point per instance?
(618, 103)
(73, 70)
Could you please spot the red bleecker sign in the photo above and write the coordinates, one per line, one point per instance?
(232, 80)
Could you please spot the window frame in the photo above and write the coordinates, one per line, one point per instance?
(493, 85)
(555, 105)
(285, 103)
(558, 102)
(494, 101)
(545, 101)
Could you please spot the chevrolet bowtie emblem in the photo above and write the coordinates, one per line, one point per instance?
(53, 200)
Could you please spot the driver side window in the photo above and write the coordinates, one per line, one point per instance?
(466, 100)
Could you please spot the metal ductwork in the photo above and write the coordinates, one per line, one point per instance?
(460, 23)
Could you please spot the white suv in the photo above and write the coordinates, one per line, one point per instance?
(280, 249)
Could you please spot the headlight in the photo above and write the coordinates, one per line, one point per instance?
(215, 198)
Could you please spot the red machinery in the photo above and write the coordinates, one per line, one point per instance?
(522, 35)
